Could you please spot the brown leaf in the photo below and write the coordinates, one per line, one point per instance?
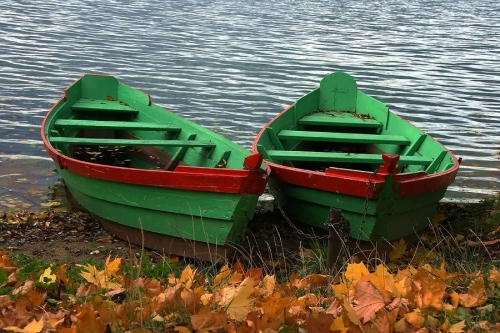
(479, 244)
(206, 320)
(369, 300)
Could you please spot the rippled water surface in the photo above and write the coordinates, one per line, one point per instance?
(231, 65)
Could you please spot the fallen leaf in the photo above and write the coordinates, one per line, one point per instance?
(47, 276)
(236, 300)
(476, 294)
(369, 300)
(35, 326)
(457, 328)
(399, 248)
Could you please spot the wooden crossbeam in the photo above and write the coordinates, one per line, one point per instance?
(130, 142)
(332, 157)
(342, 137)
(123, 125)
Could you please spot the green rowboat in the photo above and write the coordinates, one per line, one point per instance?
(149, 175)
(337, 147)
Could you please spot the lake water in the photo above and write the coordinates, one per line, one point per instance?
(232, 65)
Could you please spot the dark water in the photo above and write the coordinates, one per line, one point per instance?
(231, 65)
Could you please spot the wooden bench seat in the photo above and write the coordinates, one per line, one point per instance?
(102, 105)
(130, 142)
(124, 125)
(345, 119)
(342, 137)
(333, 157)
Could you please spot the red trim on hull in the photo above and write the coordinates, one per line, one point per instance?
(353, 182)
(183, 178)
(248, 181)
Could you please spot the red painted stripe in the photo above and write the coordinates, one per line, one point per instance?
(183, 177)
(353, 182)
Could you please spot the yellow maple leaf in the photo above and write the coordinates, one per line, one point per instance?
(35, 326)
(187, 277)
(457, 328)
(268, 283)
(221, 279)
(354, 272)
(47, 276)
(415, 318)
(351, 314)
(338, 325)
(340, 290)
(399, 248)
(236, 300)
(104, 278)
(111, 268)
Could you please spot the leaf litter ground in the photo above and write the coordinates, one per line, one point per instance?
(246, 295)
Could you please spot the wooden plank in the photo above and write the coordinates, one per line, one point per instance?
(123, 125)
(103, 105)
(435, 164)
(130, 142)
(332, 157)
(343, 137)
(415, 145)
(345, 119)
(179, 154)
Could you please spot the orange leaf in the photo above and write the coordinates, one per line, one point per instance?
(35, 326)
(476, 294)
(429, 291)
(206, 320)
(415, 318)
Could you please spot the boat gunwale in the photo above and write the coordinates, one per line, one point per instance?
(354, 182)
(206, 179)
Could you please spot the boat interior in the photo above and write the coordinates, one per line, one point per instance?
(108, 132)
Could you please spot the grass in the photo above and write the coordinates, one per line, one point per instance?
(441, 244)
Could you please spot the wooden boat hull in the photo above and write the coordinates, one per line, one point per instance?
(339, 148)
(191, 193)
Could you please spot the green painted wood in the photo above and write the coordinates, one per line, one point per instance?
(435, 164)
(216, 218)
(342, 137)
(332, 157)
(179, 154)
(223, 160)
(339, 119)
(262, 150)
(338, 92)
(122, 125)
(131, 142)
(274, 138)
(311, 207)
(412, 149)
(99, 105)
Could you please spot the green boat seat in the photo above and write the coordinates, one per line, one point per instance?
(123, 125)
(343, 137)
(100, 105)
(130, 142)
(345, 119)
(332, 157)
